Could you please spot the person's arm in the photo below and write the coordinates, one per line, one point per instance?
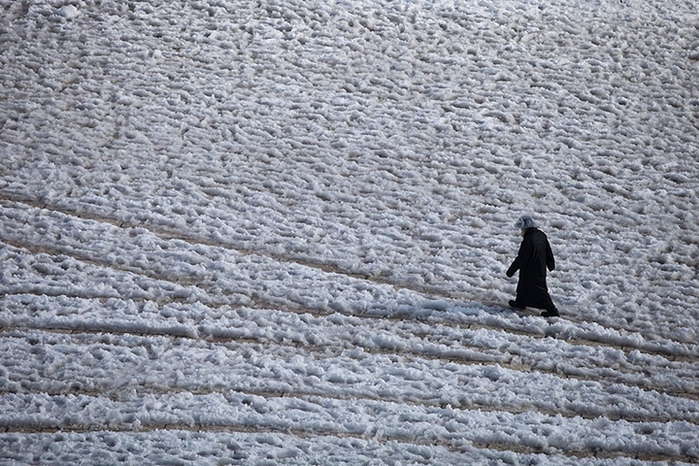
(525, 250)
(550, 262)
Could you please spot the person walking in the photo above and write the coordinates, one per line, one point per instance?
(532, 261)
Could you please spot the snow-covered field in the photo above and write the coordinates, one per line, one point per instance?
(276, 231)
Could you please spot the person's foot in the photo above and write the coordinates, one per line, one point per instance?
(550, 313)
(516, 305)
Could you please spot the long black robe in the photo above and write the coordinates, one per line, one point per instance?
(533, 258)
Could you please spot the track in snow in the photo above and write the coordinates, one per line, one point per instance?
(431, 346)
(427, 292)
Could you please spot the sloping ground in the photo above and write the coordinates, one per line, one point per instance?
(114, 332)
(274, 232)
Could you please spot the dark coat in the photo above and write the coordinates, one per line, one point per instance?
(533, 258)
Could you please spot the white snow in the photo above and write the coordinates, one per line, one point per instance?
(68, 12)
(276, 232)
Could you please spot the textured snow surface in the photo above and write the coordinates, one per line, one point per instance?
(275, 232)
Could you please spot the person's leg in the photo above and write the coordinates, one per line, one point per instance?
(550, 309)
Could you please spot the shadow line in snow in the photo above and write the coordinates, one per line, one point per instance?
(141, 390)
(429, 292)
(215, 297)
(310, 433)
(467, 356)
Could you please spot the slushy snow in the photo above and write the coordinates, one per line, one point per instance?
(276, 232)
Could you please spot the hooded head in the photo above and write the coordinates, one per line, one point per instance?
(525, 222)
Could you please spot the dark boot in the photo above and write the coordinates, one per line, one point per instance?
(550, 313)
(516, 305)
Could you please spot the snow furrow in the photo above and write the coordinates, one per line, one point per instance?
(290, 368)
(306, 330)
(218, 269)
(448, 427)
(242, 445)
(285, 440)
(434, 292)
